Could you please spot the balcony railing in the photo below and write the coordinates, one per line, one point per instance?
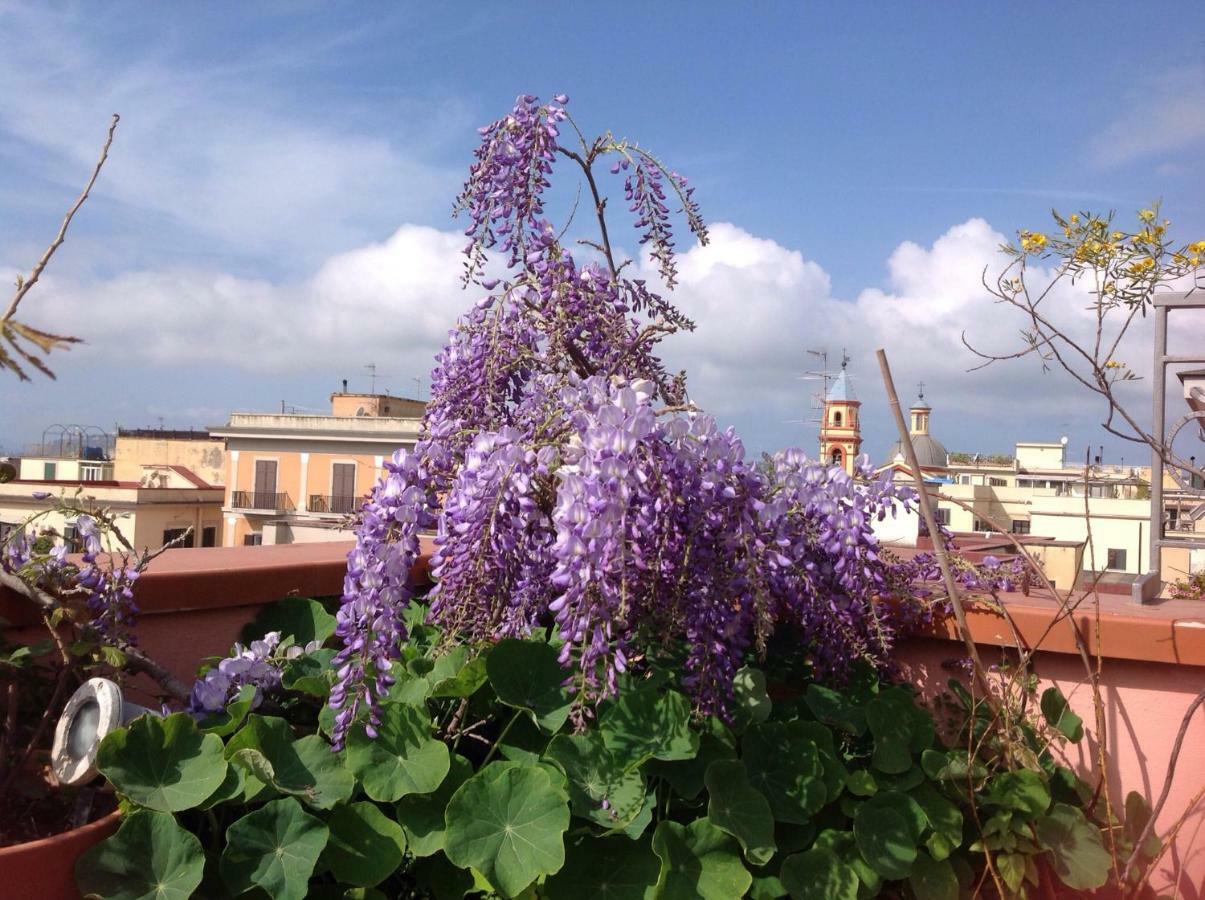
(336, 504)
(262, 501)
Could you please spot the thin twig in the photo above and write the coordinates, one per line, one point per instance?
(25, 284)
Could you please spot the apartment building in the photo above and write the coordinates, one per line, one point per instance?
(155, 503)
(294, 478)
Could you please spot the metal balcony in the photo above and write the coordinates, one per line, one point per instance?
(260, 501)
(335, 504)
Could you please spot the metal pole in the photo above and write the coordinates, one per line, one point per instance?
(1158, 426)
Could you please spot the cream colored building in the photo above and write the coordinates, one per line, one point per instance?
(148, 516)
(197, 451)
(297, 478)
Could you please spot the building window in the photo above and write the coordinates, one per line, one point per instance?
(997, 482)
(69, 540)
(1020, 526)
(835, 457)
(964, 479)
(1116, 560)
(209, 536)
(254, 539)
(981, 525)
(174, 534)
(837, 418)
(49, 471)
(343, 488)
(942, 515)
(90, 472)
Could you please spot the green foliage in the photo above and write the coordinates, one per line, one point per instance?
(476, 786)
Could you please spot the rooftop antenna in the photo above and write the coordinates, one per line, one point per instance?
(372, 373)
(418, 387)
(822, 375)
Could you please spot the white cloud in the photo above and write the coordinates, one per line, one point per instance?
(1161, 116)
(209, 154)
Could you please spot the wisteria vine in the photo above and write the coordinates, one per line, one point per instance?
(567, 481)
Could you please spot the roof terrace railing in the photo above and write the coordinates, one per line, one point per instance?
(261, 501)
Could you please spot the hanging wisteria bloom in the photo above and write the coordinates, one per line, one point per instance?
(567, 481)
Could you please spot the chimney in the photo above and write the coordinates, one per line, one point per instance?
(345, 385)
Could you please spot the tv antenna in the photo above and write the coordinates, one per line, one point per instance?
(373, 375)
(824, 377)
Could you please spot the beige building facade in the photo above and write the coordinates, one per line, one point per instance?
(297, 478)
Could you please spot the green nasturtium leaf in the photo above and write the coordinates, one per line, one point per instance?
(310, 674)
(303, 620)
(1138, 814)
(149, 858)
(611, 868)
(600, 788)
(888, 828)
(843, 843)
(422, 815)
(1059, 715)
(818, 874)
(861, 783)
(231, 719)
(164, 764)
(508, 823)
(698, 861)
(274, 848)
(526, 675)
(365, 845)
(403, 759)
(750, 702)
(836, 708)
(834, 769)
(932, 879)
(302, 767)
(952, 766)
(945, 820)
(784, 764)
(900, 729)
(1077, 853)
(1022, 791)
(734, 806)
(686, 775)
(767, 887)
(649, 723)
(464, 683)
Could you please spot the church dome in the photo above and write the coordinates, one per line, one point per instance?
(930, 452)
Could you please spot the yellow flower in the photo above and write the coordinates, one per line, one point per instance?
(1074, 218)
(1032, 241)
(1141, 266)
(1146, 215)
(1197, 247)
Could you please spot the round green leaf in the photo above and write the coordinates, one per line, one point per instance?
(818, 874)
(274, 848)
(306, 768)
(403, 758)
(843, 844)
(900, 729)
(612, 868)
(1076, 851)
(365, 846)
(303, 620)
(933, 880)
(422, 815)
(785, 766)
(698, 861)
(735, 807)
(600, 789)
(508, 822)
(1022, 791)
(945, 819)
(686, 775)
(750, 702)
(1059, 715)
(887, 828)
(163, 763)
(649, 723)
(526, 675)
(149, 858)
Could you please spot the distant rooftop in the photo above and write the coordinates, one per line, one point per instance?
(165, 434)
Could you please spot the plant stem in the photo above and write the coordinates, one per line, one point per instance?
(501, 735)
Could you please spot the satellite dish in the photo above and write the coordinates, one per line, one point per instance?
(1063, 440)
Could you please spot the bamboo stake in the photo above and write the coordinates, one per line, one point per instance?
(926, 510)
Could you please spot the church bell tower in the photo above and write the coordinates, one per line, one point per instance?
(840, 429)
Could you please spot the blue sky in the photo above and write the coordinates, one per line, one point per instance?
(284, 173)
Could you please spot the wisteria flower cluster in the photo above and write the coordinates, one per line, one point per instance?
(567, 481)
(106, 585)
(259, 665)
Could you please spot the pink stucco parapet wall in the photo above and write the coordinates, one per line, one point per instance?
(195, 602)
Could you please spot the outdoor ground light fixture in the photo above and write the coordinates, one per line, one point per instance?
(94, 710)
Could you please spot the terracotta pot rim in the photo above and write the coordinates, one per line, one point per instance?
(83, 831)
